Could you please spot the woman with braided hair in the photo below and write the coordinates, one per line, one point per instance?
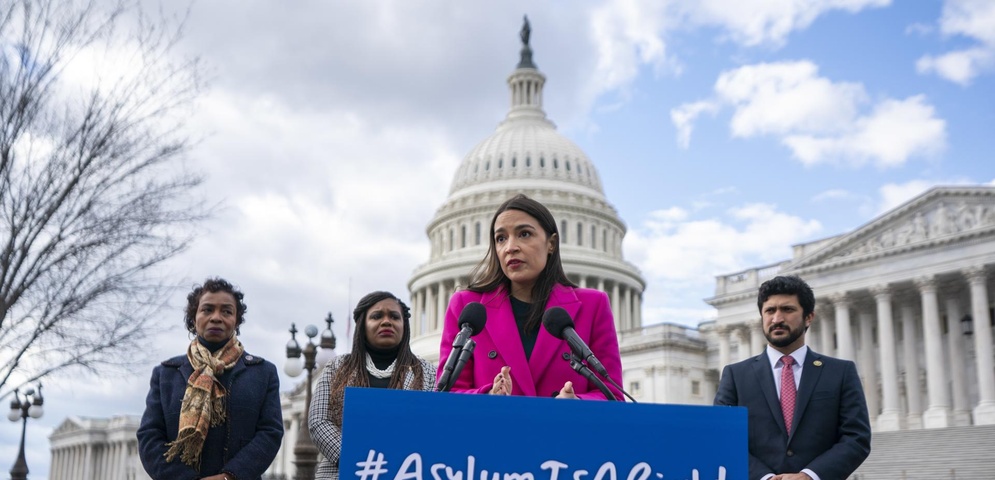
(214, 413)
(381, 357)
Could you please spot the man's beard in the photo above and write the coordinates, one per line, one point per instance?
(785, 341)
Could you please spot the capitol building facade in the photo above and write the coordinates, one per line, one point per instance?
(908, 296)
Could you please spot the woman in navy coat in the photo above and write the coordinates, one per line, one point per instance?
(214, 413)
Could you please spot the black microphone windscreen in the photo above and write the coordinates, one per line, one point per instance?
(475, 315)
(555, 320)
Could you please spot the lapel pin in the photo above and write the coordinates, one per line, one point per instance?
(817, 363)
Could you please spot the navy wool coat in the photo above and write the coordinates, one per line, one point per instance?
(244, 445)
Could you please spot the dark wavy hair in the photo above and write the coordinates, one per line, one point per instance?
(352, 371)
(787, 285)
(214, 285)
(488, 275)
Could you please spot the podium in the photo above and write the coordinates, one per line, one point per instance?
(401, 435)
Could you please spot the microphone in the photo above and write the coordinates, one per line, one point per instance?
(464, 356)
(471, 322)
(559, 324)
(591, 377)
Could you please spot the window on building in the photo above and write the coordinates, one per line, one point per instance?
(604, 240)
(452, 241)
(563, 231)
(635, 389)
(462, 241)
(594, 236)
(476, 234)
(695, 388)
(580, 234)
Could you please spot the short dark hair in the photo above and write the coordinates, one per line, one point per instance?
(214, 285)
(787, 285)
(488, 275)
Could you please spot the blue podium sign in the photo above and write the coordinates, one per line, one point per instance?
(402, 435)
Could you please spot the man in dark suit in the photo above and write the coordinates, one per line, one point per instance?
(807, 412)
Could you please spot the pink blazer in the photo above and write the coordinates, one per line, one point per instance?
(544, 373)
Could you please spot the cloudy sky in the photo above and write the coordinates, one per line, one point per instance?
(724, 132)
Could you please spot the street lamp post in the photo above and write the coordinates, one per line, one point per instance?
(305, 452)
(21, 409)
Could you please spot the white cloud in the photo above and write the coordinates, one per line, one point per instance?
(833, 194)
(821, 121)
(895, 194)
(778, 98)
(683, 118)
(756, 22)
(974, 19)
(626, 35)
(894, 132)
(959, 66)
(680, 254)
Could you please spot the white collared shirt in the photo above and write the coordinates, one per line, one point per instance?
(776, 365)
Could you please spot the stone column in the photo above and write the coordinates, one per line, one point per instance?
(828, 335)
(937, 414)
(889, 420)
(984, 412)
(909, 350)
(757, 340)
(742, 337)
(955, 349)
(627, 309)
(443, 302)
(723, 333)
(429, 308)
(844, 331)
(867, 368)
(616, 306)
(813, 337)
(638, 310)
(56, 469)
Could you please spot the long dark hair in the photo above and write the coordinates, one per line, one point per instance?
(352, 372)
(488, 275)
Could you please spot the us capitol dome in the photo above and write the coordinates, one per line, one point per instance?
(524, 155)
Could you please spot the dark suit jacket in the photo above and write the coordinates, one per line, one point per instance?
(831, 434)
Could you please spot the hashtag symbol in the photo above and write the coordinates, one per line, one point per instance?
(371, 468)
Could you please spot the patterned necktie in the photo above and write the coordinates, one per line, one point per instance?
(787, 391)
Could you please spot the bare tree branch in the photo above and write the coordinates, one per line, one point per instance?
(92, 194)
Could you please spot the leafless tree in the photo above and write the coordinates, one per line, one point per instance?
(94, 194)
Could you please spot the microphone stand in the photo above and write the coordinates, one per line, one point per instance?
(579, 367)
(445, 378)
(464, 356)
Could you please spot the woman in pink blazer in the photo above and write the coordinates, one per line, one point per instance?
(517, 281)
